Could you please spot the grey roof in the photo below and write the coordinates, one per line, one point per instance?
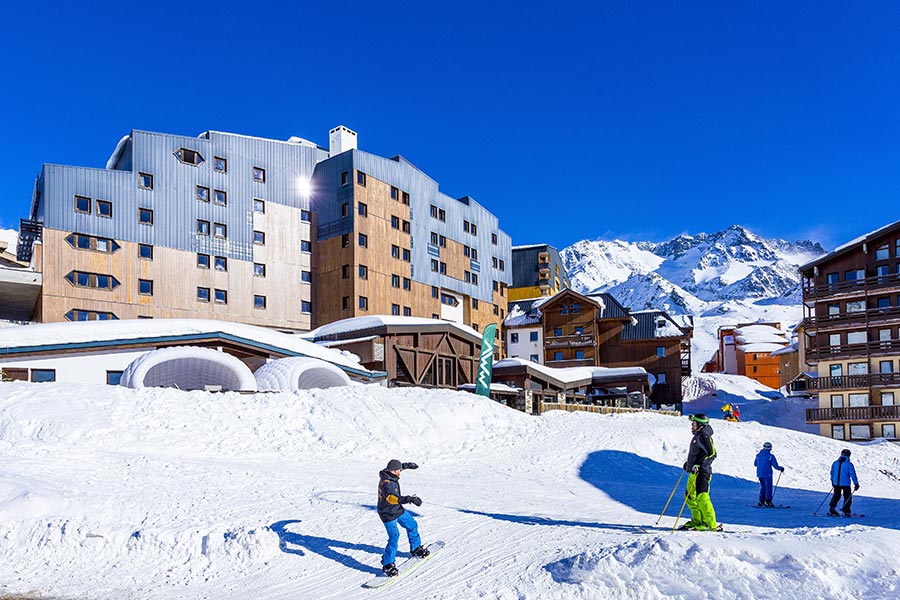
(643, 326)
(612, 308)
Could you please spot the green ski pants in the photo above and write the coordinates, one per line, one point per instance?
(703, 515)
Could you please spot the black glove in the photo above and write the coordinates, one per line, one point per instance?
(415, 500)
(856, 487)
(684, 467)
(409, 466)
(782, 469)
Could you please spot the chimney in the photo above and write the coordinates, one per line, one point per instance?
(341, 139)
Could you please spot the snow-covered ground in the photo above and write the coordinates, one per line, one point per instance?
(107, 492)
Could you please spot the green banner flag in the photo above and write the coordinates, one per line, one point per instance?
(486, 361)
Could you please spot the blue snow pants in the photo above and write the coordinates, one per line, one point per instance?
(765, 489)
(408, 523)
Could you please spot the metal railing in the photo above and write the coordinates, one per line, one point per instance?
(573, 362)
(861, 349)
(849, 382)
(569, 340)
(853, 413)
(877, 282)
(865, 316)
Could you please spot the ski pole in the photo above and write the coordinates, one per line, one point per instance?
(823, 500)
(670, 497)
(775, 487)
(687, 491)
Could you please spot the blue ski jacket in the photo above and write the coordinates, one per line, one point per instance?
(389, 499)
(842, 472)
(765, 462)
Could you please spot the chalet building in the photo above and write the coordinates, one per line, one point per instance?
(851, 304)
(537, 272)
(746, 349)
(283, 234)
(524, 331)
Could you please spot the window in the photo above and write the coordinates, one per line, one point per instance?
(533, 336)
(83, 204)
(220, 230)
(887, 398)
(113, 377)
(535, 358)
(834, 309)
(576, 307)
(305, 307)
(564, 309)
(405, 199)
(203, 261)
(90, 242)
(466, 226)
(435, 293)
(202, 227)
(493, 261)
(345, 271)
(202, 294)
(145, 216)
(442, 241)
(474, 253)
(395, 281)
(363, 209)
(363, 272)
(345, 240)
(43, 375)
(395, 224)
(882, 252)
(579, 355)
(475, 326)
(363, 303)
(474, 278)
(145, 181)
(886, 366)
(407, 311)
(474, 230)
(145, 251)
(884, 302)
(858, 399)
(259, 175)
(259, 238)
(889, 431)
(856, 337)
(189, 157)
(202, 193)
(220, 197)
(467, 277)
(514, 338)
(494, 239)
(363, 240)
(557, 332)
(406, 255)
(442, 269)
(837, 432)
(496, 310)
(660, 352)
(395, 309)
(345, 303)
(831, 279)
(361, 178)
(345, 178)
(442, 214)
(856, 275)
(395, 193)
(395, 251)
(221, 263)
(305, 246)
(259, 205)
(860, 432)
(661, 378)
(579, 330)
(475, 303)
(104, 209)
(837, 400)
(407, 283)
(259, 270)
(259, 302)
(220, 164)
(856, 306)
(306, 276)
(89, 315)
(434, 236)
(434, 211)
(557, 355)
(305, 216)
(92, 280)
(221, 296)
(145, 287)
(503, 266)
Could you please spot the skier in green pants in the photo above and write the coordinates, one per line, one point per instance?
(699, 464)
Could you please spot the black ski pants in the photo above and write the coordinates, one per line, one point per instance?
(848, 498)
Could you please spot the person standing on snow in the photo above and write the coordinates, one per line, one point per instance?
(764, 463)
(701, 454)
(842, 473)
(392, 514)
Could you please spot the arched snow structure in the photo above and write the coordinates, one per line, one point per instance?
(188, 368)
(299, 373)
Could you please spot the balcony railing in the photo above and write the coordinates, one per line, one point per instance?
(851, 382)
(858, 286)
(569, 341)
(544, 282)
(573, 362)
(861, 349)
(872, 315)
(853, 413)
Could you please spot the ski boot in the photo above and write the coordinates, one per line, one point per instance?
(769, 504)
(761, 504)
(833, 513)
(688, 526)
(420, 552)
(390, 570)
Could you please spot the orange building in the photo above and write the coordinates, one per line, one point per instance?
(746, 349)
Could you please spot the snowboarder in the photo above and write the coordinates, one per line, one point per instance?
(701, 454)
(392, 514)
(764, 463)
(842, 473)
(731, 412)
(736, 412)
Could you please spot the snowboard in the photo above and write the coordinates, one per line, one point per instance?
(776, 506)
(410, 564)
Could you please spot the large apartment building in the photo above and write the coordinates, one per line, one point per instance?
(284, 234)
(538, 271)
(851, 303)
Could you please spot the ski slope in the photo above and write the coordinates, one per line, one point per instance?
(107, 492)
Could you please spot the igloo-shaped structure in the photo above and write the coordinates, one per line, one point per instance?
(299, 373)
(188, 368)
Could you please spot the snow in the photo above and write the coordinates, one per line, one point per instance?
(11, 237)
(572, 375)
(756, 347)
(361, 323)
(114, 157)
(109, 492)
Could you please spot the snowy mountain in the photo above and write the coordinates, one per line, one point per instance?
(721, 278)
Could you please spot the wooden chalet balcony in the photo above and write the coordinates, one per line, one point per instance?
(569, 341)
(859, 286)
(573, 362)
(853, 413)
(872, 315)
(843, 350)
(852, 382)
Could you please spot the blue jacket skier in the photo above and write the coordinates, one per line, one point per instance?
(842, 473)
(392, 513)
(764, 463)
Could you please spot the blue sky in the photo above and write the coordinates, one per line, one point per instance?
(630, 120)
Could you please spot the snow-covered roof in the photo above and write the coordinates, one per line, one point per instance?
(572, 375)
(649, 324)
(495, 387)
(760, 347)
(850, 245)
(752, 330)
(92, 334)
(786, 350)
(345, 326)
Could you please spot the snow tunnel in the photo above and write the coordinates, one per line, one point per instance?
(299, 373)
(188, 368)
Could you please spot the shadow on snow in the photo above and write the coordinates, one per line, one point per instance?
(296, 543)
(645, 485)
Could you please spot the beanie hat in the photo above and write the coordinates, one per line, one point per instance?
(767, 445)
(700, 418)
(845, 452)
(394, 465)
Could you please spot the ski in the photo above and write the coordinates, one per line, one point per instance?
(850, 516)
(410, 564)
(776, 506)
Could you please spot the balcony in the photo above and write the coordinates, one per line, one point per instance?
(859, 286)
(870, 316)
(573, 362)
(853, 413)
(568, 341)
(852, 382)
(877, 347)
(544, 282)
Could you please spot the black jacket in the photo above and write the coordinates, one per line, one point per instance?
(702, 451)
(389, 498)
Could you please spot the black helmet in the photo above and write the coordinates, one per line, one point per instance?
(699, 418)
(767, 445)
(845, 452)
(394, 465)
